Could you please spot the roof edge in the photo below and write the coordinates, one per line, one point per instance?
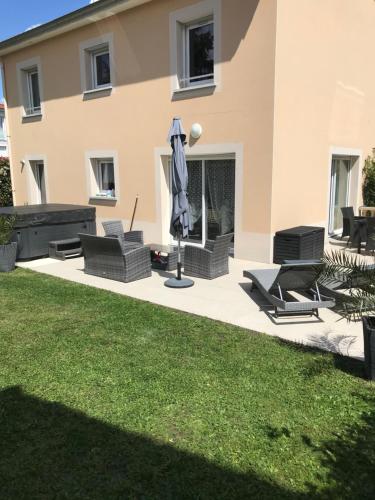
(85, 15)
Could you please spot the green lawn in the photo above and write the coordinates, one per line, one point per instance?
(106, 397)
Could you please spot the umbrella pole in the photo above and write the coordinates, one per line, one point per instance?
(179, 266)
(179, 281)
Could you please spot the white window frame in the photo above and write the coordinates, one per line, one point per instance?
(32, 108)
(185, 77)
(24, 71)
(88, 51)
(179, 22)
(2, 128)
(99, 174)
(94, 55)
(93, 159)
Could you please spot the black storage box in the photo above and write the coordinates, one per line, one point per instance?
(37, 225)
(301, 242)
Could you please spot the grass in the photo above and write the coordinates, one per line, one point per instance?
(104, 396)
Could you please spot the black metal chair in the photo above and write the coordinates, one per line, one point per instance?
(355, 227)
(370, 242)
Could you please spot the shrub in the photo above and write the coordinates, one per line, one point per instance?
(6, 228)
(369, 181)
(6, 198)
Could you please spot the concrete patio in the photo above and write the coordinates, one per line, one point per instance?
(226, 299)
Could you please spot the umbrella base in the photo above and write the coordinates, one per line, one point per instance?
(176, 283)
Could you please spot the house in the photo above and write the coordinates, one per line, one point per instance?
(282, 91)
(3, 133)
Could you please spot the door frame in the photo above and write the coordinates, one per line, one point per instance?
(331, 231)
(32, 188)
(354, 192)
(203, 159)
(36, 171)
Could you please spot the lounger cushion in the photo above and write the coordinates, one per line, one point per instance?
(298, 277)
(264, 278)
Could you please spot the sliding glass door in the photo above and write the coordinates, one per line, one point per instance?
(340, 178)
(211, 192)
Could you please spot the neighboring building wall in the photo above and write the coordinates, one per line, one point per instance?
(3, 133)
(324, 103)
(134, 119)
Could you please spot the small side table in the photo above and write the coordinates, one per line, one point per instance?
(168, 254)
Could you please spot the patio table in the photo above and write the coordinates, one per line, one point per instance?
(168, 254)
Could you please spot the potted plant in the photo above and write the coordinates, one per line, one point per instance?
(8, 249)
(358, 303)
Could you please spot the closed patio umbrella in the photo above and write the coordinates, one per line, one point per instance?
(180, 219)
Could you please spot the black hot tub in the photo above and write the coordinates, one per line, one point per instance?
(37, 225)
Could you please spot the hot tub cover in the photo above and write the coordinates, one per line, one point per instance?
(51, 213)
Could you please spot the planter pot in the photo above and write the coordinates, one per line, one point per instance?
(8, 257)
(369, 345)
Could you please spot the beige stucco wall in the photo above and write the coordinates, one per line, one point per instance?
(134, 119)
(324, 101)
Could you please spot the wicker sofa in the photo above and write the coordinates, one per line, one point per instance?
(209, 262)
(105, 257)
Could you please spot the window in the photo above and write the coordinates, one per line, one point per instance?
(96, 60)
(198, 54)
(30, 87)
(195, 44)
(33, 93)
(101, 73)
(2, 131)
(105, 177)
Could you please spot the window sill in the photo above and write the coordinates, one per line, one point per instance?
(32, 117)
(94, 93)
(106, 200)
(194, 91)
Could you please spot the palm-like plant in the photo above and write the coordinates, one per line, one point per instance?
(359, 279)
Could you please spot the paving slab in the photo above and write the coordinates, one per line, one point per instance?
(226, 299)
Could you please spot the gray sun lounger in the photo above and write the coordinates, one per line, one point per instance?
(275, 285)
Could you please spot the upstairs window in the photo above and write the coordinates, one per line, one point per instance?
(32, 104)
(100, 68)
(30, 88)
(195, 49)
(96, 64)
(198, 53)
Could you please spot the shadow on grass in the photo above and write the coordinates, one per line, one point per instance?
(327, 361)
(50, 451)
(349, 458)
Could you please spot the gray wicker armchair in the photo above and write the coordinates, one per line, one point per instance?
(104, 257)
(209, 262)
(128, 239)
